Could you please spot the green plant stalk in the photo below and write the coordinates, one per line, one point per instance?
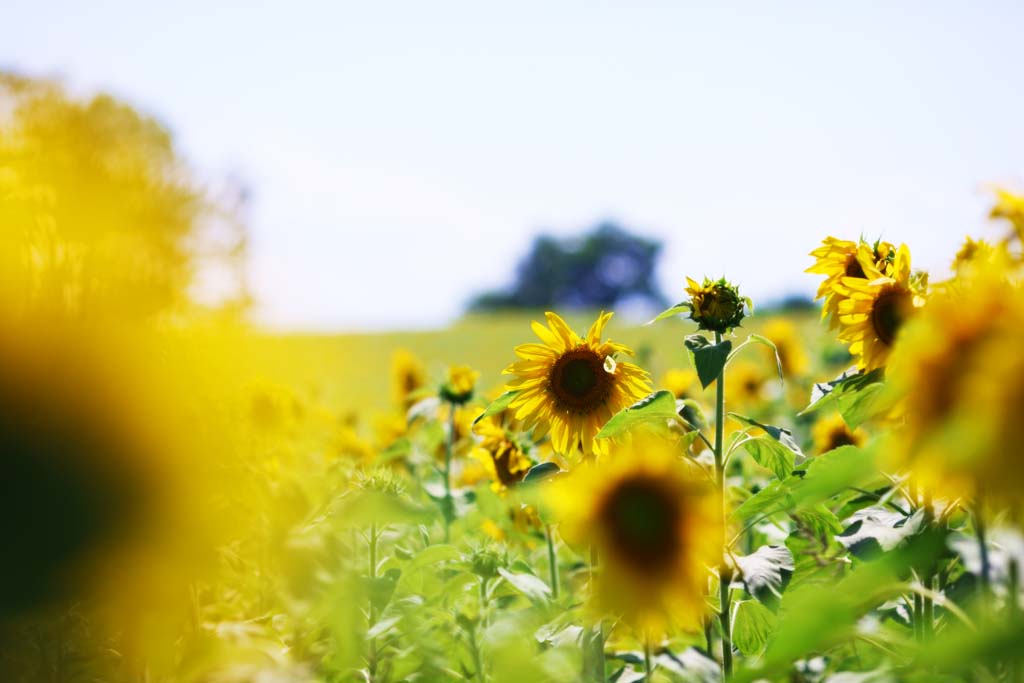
(647, 659)
(448, 448)
(723, 584)
(986, 569)
(928, 606)
(599, 633)
(1013, 607)
(552, 562)
(372, 543)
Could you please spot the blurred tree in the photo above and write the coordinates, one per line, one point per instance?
(98, 213)
(602, 269)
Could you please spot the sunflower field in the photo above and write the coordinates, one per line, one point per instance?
(725, 494)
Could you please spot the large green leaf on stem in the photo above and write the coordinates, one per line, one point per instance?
(766, 572)
(777, 451)
(857, 395)
(708, 359)
(877, 530)
(752, 625)
(654, 409)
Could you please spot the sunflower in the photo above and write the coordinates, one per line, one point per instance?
(682, 382)
(832, 432)
(746, 384)
(458, 387)
(572, 385)
(787, 342)
(837, 259)
(876, 309)
(1010, 206)
(655, 524)
(959, 374)
(407, 377)
(503, 460)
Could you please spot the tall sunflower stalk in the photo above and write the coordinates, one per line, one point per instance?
(455, 392)
(716, 306)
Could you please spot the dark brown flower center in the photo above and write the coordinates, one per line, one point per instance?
(504, 460)
(888, 314)
(579, 382)
(641, 518)
(840, 436)
(853, 267)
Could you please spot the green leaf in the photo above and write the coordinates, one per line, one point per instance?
(497, 405)
(767, 572)
(657, 407)
(833, 472)
(708, 358)
(683, 307)
(772, 455)
(752, 624)
(780, 434)
(759, 339)
(541, 472)
(527, 584)
(845, 394)
(775, 497)
(867, 401)
(876, 530)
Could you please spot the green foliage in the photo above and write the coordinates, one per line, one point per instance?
(708, 359)
(654, 409)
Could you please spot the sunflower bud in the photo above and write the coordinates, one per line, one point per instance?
(458, 388)
(716, 305)
(485, 561)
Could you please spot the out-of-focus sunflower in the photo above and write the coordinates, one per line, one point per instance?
(837, 259)
(1011, 207)
(831, 432)
(502, 458)
(959, 373)
(682, 382)
(786, 338)
(877, 308)
(572, 385)
(746, 384)
(656, 526)
(407, 377)
(971, 253)
(459, 385)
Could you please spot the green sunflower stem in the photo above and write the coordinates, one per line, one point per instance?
(723, 573)
(986, 569)
(449, 446)
(552, 561)
(647, 659)
(372, 571)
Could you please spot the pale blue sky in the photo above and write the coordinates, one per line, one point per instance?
(402, 155)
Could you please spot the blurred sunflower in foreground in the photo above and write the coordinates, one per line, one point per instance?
(572, 385)
(959, 372)
(656, 527)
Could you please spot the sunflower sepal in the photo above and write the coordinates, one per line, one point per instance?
(542, 471)
(672, 311)
(658, 407)
(707, 358)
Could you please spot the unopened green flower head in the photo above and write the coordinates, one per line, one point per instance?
(382, 480)
(458, 388)
(716, 305)
(486, 560)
